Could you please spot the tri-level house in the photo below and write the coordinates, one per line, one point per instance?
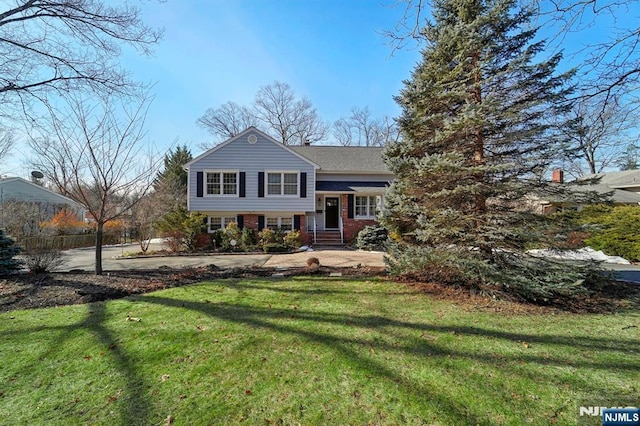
(328, 193)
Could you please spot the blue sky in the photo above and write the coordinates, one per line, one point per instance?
(213, 52)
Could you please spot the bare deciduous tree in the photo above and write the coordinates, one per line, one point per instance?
(611, 61)
(61, 46)
(597, 135)
(148, 210)
(293, 120)
(360, 128)
(277, 109)
(6, 143)
(227, 120)
(22, 218)
(95, 155)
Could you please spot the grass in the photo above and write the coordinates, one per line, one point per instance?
(308, 351)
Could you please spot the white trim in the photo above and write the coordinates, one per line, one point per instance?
(324, 204)
(220, 172)
(281, 173)
(223, 222)
(279, 220)
(245, 133)
(369, 196)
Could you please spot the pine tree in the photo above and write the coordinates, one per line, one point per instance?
(476, 140)
(172, 181)
(8, 251)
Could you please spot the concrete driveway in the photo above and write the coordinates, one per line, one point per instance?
(84, 259)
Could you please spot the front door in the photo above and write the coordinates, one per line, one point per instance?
(331, 212)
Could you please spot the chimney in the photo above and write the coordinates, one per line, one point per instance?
(557, 176)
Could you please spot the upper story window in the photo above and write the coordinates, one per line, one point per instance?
(222, 183)
(366, 206)
(282, 183)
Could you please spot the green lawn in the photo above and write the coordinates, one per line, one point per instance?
(308, 351)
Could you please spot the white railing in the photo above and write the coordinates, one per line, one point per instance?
(341, 226)
(315, 228)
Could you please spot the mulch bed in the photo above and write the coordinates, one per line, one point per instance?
(26, 291)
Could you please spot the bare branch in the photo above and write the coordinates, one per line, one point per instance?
(95, 154)
(53, 46)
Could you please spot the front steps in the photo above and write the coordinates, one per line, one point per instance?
(328, 239)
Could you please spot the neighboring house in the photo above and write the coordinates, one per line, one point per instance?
(618, 187)
(17, 190)
(328, 193)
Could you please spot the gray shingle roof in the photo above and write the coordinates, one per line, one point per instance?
(623, 179)
(345, 158)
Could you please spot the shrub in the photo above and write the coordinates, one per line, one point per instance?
(181, 228)
(216, 239)
(231, 237)
(292, 239)
(247, 239)
(614, 230)
(373, 237)
(266, 236)
(40, 261)
(8, 252)
(65, 222)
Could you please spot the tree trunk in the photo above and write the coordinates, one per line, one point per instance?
(99, 230)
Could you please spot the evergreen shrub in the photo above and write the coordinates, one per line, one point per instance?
(8, 251)
(372, 237)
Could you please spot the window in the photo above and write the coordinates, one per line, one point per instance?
(284, 223)
(281, 183)
(222, 183)
(366, 206)
(217, 222)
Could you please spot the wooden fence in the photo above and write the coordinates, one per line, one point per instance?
(63, 242)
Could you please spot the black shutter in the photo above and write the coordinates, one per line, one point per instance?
(243, 184)
(296, 222)
(260, 223)
(240, 221)
(303, 185)
(350, 206)
(260, 185)
(199, 184)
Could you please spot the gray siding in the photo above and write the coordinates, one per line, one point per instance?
(242, 156)
(23, 190)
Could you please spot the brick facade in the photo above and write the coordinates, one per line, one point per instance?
(352, 226)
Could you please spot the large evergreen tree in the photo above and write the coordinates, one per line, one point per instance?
(172, 181)
(476, 141)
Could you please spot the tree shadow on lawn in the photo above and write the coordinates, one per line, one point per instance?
(135, 403)
(410, 338)
(408, 342)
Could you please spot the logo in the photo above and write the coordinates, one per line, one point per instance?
(629, 416)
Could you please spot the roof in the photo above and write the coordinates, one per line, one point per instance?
(350, 186)
(246, 132)
(623, 179)
(16, 188)
(343, 159)
(617, 195)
